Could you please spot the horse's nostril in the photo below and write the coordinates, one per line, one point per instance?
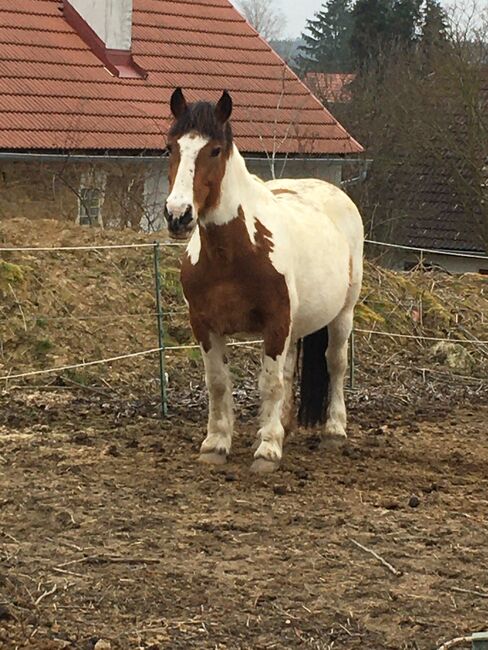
(167, 214)
(187, 217)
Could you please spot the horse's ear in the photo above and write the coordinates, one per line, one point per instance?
(178, 103)
(223, 110)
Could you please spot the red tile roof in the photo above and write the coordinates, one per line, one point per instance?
(56, 94)
(330, 86)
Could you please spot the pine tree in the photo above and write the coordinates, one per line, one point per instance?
(370, 29)
(405, 22)
(327, 39)
(380, 26)
(435, 26)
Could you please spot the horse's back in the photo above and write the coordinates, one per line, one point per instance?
(315, 198)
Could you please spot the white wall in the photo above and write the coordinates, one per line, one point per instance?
(111, 20)
(450, 263)
(155, 193)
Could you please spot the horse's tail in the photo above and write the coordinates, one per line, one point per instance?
(314, 382)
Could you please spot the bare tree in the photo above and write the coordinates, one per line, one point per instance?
(264, 17)
(424, 121)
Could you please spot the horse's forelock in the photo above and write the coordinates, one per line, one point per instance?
(200, 117)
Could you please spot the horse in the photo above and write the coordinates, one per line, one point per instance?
(280, 259)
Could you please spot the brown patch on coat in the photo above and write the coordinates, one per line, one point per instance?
(350, 270)
(209, 173)
(283, 191)
(235, 288)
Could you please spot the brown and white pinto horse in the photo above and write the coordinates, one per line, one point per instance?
(281, 259)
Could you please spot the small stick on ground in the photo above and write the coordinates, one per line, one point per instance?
(45, 594)
(481, 594)
(454, 642)
(389, 566)
(70, 573)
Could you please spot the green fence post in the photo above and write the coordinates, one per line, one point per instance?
(159, 315)
(480, 641)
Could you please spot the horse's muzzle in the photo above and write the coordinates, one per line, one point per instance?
(179, 227)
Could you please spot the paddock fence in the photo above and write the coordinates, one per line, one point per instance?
(162, 350)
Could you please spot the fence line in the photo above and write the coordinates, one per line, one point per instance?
(72, 248)
(85, 364)
(195, 346)
(26, 249)
(78, 365)
(106, 317)
(161, 349)
(427, 250)
(419, 336)
(178, 244)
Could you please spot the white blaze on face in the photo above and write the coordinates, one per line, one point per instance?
(182, 193)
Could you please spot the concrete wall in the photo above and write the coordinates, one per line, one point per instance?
(52, 191)
(447, 262)
(309, 168)
(133, 194)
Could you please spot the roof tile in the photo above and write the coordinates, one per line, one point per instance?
(55, 93)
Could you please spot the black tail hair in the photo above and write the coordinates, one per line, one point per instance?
(314, 383)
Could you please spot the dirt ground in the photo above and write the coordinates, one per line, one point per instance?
(111, 530)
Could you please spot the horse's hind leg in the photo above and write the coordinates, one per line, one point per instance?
(216, 446)
(287, 408)
(339, 331)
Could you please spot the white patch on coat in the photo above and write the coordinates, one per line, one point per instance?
(181, 195)
(194, 247)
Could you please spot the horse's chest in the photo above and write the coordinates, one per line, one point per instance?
(232, 294)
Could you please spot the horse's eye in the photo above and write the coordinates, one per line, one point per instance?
(216, 152)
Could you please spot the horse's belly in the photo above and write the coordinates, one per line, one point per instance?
(321, 281)
(314, 314)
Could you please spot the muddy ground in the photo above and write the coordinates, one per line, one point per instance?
(111, 530)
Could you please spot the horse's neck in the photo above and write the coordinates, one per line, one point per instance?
(230, 228)
(240, 192)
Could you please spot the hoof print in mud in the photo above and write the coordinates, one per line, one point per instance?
(213, 458)
(333, 442)
(264, 466)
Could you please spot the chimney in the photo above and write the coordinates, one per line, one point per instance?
(106, 27)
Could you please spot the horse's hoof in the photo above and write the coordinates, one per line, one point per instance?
(212, 458)
(256, 443)
(333, 441)
(263, 466)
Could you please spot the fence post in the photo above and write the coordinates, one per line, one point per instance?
(159, 315)
(351, 361)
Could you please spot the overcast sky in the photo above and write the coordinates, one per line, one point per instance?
(296, 12)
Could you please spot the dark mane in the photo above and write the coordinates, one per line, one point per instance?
(200, 117)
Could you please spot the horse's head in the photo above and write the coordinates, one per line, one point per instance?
(199, 144)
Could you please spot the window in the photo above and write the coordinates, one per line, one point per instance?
(89, 206)
(91, 195)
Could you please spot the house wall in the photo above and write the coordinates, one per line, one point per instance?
(36, 191)
(450, 263)
(51, 190)
(309, 168)
(133, 195)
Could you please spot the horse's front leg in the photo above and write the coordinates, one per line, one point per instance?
(271, 433)
(216, 446)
